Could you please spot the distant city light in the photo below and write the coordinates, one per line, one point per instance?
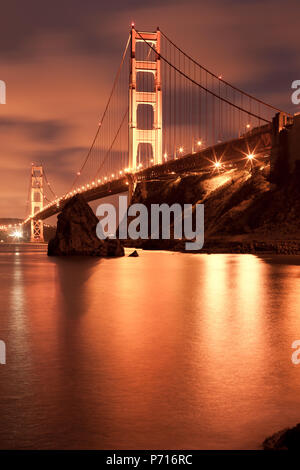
(218, 164)
(17, 234)
(199, 143)
(180, 149)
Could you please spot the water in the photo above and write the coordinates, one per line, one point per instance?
(167, 350)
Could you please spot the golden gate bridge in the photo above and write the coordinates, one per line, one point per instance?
(166, 113)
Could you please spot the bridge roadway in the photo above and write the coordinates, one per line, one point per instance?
(257, 141)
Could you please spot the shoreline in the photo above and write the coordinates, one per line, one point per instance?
(218, 246)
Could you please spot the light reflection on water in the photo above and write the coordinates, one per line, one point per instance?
(166, 350)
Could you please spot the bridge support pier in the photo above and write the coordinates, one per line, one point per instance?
(132, 182)
(36, 231)
(37, 203)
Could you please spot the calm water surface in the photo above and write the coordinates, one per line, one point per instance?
(162, 351)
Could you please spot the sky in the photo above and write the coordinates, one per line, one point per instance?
(58, 60)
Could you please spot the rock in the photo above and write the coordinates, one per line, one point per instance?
(114, 247)
(287, 439)
(134, 254)
(76, 233)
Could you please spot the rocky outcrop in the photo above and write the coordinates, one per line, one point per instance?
(287, 439)
(76, 233)
(244, 213)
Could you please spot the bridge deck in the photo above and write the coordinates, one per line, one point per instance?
(257, 141)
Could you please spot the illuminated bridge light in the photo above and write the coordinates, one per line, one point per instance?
(180, 149)
(17, 234)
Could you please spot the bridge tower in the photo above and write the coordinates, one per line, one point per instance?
(153, 98)
(37, 203)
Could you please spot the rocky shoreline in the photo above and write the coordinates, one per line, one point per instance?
(278, 247)
(244, 212)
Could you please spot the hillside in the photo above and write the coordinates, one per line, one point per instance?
(243, 211)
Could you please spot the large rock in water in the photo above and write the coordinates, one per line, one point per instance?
(76, 233)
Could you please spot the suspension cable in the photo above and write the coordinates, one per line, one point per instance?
(221, 79)
(115, 138)
(201, 86)
(104, 112)
(48, 184)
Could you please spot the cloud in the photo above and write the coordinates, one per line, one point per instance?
(37, 130)
(59, 59)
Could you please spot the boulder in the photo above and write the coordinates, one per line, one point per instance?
(76, 233)
(134, 254)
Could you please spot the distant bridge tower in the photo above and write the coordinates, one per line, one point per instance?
(140, 97)
(37, 203)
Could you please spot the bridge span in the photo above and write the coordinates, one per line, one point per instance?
(166, 114)
(224, 155)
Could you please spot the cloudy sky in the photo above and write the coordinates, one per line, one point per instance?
(58, 60)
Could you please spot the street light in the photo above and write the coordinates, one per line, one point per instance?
(17, 234)
(217, 165)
